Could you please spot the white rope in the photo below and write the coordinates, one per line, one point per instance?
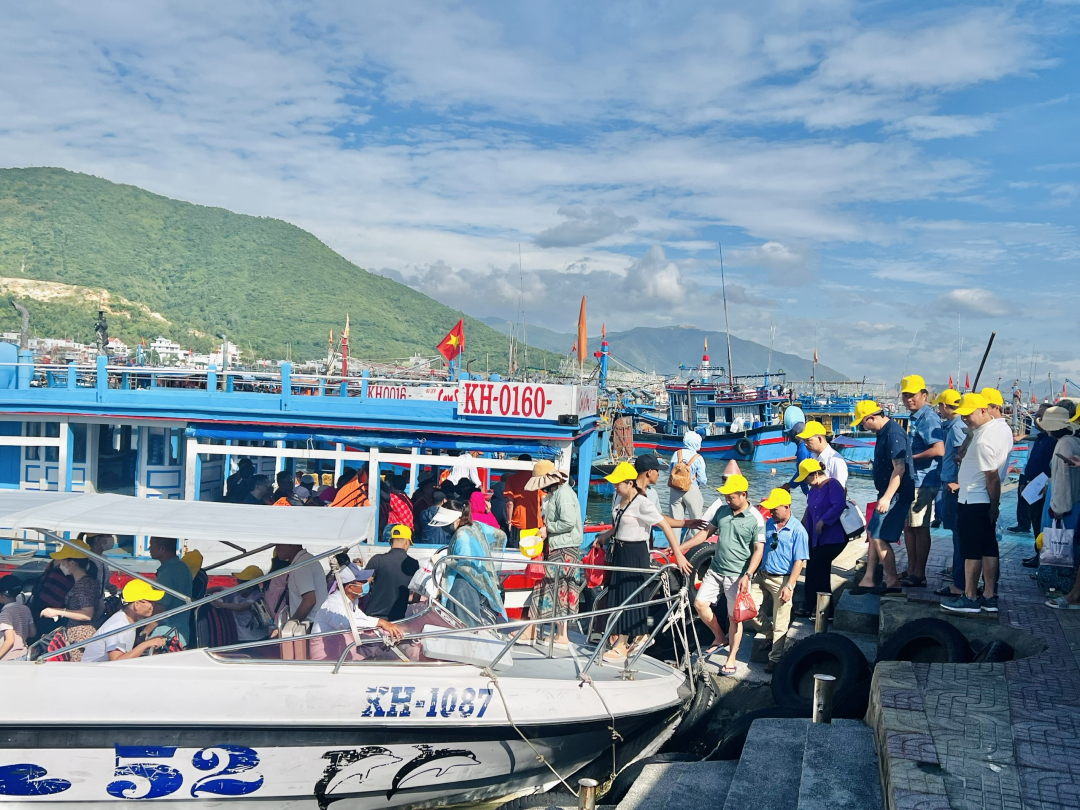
(506, 708)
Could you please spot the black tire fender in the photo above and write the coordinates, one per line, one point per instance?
(744, 447)
(926, 640)
(821, 654)
(697, 712)
(995, 652)
(734, 736)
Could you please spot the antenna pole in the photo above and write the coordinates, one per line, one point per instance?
(727, 326)
(986, 354)
(524, 330)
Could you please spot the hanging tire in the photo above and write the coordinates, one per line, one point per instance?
(926, 641)
(697, 713)
(995, 652)
(734, 736)
(821, 654)
(744, 447)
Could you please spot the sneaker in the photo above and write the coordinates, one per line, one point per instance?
(989, 605)
(1017, 530)
(961, 604)
(1031, 562)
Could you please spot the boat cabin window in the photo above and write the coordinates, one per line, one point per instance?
(165, 447)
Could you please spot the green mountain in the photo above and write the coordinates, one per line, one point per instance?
(662, 349)
(165, 267)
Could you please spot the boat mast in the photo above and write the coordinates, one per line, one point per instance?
(727, 326)
(524, 329)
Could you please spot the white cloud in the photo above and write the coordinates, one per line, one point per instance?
(784, 264)
(583, 227)
(973, 301)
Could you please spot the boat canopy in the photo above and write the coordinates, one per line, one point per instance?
(849, 441)
(194, 521)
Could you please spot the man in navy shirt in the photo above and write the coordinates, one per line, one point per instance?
(927, 448)
(955, 433)
(895, 484)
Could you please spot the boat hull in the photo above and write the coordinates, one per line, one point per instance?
(762, 445)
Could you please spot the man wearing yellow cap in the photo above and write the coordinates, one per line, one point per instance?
(927, 448)
(817, 443)
(955, 434)
(740, 543)
(982, 472)
(138, 600)
(787, 547)
(895, 486)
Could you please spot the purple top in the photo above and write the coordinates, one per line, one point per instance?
(825, 503)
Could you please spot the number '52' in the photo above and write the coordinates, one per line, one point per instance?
(141, 774)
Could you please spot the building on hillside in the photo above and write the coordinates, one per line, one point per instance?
(118, 349)
(167, 351)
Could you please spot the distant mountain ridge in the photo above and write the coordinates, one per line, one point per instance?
(71, 244)
(663, 349)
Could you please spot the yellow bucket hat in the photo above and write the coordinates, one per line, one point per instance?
(66, 552)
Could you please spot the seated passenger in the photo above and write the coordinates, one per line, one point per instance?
(473, 584)
(85, 602)
(138, 603)
(389, 597)
(16, 621)
(250, 612)
(332, 614)
(172, 573)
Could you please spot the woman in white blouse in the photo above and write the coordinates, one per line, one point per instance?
(633, 516)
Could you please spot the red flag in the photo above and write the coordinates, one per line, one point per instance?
(950, 381)
(582, 336)
(454, 343)
(815, 354)
(573, 349)
(967, 382)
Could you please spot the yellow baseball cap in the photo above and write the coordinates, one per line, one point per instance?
(136, 591)
(624, 472)
(993, 397)
(735, 483)
(863, 409)
(401, 532)
(970, 403)
(66, 552)
(912, 384)
(950, 397)
(778, 497)
(249, 573)
(812, 428)
(808, 465)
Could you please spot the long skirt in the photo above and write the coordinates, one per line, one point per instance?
(631, 623)
(545, 600)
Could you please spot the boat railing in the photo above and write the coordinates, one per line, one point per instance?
(673, 603)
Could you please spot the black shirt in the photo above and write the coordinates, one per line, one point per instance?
(893, 443)
(389, 594)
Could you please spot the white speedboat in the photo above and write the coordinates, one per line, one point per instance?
(449, 716)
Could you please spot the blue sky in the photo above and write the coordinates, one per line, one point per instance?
(873, 170)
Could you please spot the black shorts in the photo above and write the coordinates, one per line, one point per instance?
(976, 531)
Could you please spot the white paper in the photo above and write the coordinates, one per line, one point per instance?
(1035, 488)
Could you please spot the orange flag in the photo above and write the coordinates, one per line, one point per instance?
(454, 343)
(582, 336)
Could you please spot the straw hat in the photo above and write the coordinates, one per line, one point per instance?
(544, 474)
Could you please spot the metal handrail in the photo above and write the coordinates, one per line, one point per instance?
(191, 606)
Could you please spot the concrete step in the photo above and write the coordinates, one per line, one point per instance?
(770, 768)
(680, 786)
(840, 768)
(857, 614)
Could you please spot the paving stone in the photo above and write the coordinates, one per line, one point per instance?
(902, 699)
(895, 674)
(907, 745)
(1048, 790)
(915, 777)
(984, 786)
(908, 800)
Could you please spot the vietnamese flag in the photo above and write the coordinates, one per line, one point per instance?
(950, 381)
(967, 382)
(454, 343)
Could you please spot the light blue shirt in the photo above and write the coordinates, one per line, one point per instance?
(955, 433)
(926, 431)
(792, 543)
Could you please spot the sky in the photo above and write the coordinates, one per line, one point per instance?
(889, 182)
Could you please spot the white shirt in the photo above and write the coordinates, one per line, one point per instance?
(650, 493)
(637, 521)
(99, 648)
(834, 465)
(988, 452)
(464, 468)
(332, 616)
(305, 580)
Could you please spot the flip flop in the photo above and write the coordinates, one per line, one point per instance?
(913, 582)
(727, 672)
(944, 592)
(1061, 603)
(713, 648)
(883, 590)
(861, 590)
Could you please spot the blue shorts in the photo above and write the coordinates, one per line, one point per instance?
(890, 526)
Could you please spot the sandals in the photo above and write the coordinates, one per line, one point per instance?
(1061, 603)
(861, 590)
(884, 590)
(913, 582)
(614, 657)
(944, 591)
(727, 672)
(713, 649)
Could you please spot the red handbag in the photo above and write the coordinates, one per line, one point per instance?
(745, 609)
(594, 577)
(534, 572)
